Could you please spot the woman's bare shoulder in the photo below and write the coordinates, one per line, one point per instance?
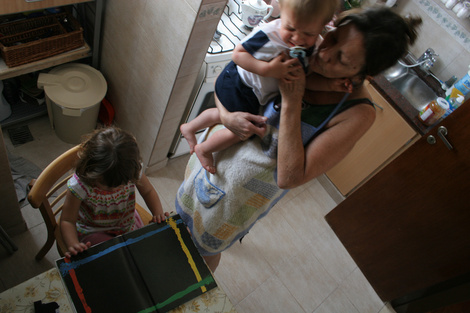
(358, 117)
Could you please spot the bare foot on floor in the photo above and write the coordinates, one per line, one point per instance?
(190, 137)
(206, 159)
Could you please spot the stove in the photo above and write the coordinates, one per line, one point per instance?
(230, 31)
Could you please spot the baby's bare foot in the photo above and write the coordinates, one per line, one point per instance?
(190, 136)
(206, 159)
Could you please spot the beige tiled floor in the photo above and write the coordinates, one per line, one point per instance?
(291, 261)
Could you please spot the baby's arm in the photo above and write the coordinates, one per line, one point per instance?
(152, 200)
(280, 67)
(316, 82)
(68, 226)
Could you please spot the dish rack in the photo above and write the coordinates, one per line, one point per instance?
(38, 38)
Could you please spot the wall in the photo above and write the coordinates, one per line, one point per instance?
(441, 30)
(151, 53)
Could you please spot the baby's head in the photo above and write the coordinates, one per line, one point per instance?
(303, 20)
(109, 157)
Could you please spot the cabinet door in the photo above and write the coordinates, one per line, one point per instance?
(14, 6)
(407, 228)
(382, 142)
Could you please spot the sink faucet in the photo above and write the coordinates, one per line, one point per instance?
(427, 59)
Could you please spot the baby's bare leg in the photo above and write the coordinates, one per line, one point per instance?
(220, 140)
(207, 118)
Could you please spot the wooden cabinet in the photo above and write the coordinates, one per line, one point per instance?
(407, 228)
(387, 138)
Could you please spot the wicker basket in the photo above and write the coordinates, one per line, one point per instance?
(39, 38)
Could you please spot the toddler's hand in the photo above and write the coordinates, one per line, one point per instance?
(159, 217)
(281, 67)
(77, 248)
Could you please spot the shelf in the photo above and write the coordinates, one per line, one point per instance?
(21, 112)
(15, 6)
(9, 72)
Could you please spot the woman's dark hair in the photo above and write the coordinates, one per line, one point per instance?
(387, 35)
(110, 156)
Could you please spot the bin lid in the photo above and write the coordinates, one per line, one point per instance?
(74, 85)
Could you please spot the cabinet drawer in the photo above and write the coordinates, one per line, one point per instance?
(14, 6)
(386, 139)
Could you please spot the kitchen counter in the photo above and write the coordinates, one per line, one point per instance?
(401, 104)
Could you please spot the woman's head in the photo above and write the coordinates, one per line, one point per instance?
(109, 157)
(380, 38)
(303, 20)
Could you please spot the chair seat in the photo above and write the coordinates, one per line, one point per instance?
(144, 214)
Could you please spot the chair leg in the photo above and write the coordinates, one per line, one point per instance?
(47, 246)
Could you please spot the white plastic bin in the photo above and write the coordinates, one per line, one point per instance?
(73, 95)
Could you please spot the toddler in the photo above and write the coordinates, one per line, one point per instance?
(100, 199)
(258, 62)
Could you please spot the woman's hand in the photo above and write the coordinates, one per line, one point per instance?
(244, 124)
(292, 92)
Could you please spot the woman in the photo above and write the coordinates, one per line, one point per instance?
(301, 139)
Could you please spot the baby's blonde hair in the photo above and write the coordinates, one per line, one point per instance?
(306, 10)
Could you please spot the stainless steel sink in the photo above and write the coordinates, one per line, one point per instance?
(410, 85)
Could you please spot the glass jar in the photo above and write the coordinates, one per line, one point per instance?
(457, 7)
(433, 111)
(451, 3)
(464, 12)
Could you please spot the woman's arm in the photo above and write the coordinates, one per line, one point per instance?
(151, 199)
(68, 227)
(298, 165)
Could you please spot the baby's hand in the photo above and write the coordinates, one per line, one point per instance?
(341, 85)
(158, 218)
(281, 67)
(77, 248)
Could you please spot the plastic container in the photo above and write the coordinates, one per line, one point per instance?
(73, 95)
(433, 111)
(454, 103)
(5, 108)
(460, 88)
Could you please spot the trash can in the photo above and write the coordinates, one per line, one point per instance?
(73, 95)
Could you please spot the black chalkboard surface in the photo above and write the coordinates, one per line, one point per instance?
(152, 269)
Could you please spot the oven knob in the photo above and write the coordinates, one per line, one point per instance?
(217, 69)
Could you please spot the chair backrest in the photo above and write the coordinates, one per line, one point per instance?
(47, 195)
(43, 195)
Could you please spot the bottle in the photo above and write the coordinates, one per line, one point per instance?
(462, 87)
(454, 103)
(433, 111)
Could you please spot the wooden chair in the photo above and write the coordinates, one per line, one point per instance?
(48, 192)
